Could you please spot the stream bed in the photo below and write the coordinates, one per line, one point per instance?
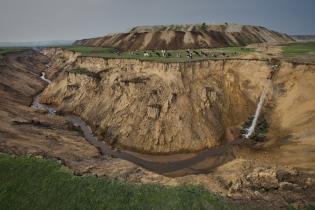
(169, 165)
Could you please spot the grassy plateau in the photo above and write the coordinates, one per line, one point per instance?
(300, 52)
(7, 50)
(156, 55)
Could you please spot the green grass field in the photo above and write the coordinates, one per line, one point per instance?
(34, 183)
(173, 54)
(300, 52)
(7, 50)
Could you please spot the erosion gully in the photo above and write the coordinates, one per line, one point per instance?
(168, 165)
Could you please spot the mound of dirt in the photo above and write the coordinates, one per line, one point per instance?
(187, 37)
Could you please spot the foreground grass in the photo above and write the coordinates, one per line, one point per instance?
(32, 183)
(220, 53)
(301, 52)
(6, 50)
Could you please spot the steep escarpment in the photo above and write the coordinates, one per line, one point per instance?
(25, 130)
(160, 108)
(187, 37)
(275, 173)
(292, 115)
(61, 60)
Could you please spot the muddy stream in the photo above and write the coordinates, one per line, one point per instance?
(169, 165)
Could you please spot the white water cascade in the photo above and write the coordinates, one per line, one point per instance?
(252, 127)
(44, 78)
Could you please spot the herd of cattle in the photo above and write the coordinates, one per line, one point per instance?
(190, 54)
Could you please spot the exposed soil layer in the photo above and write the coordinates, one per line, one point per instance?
(274, 173)
(187, 37)
(25, 130)
(160, 108)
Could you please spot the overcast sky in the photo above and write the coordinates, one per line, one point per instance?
(39, 20)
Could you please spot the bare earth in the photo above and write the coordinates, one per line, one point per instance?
(213, 99)
(187, 37)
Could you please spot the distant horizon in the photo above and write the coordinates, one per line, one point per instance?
(32, 20)
(2, 43)
(46, 43)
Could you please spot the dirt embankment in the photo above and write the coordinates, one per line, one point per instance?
(160, 108)
(24, 130)
(273, 174)
(172, 108)
(291, 113)
(187, 37)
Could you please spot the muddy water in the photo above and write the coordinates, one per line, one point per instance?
(169, 165)
(172, 167)
(37, 105)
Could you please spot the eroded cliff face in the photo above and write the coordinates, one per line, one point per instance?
(28, 131)
(276, 173)
(291, 115)
(160, 108)
(61, 59)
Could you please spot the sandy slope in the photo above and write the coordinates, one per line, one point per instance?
(160, 108)
(187, 37)
(274, 173)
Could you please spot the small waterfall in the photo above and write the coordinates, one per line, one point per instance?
(251, 129)
(44, 78)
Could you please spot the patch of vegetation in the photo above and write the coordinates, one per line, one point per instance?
(240, 50)
(84, 72)
(34, 183)
(156, 55)
(8, 50)
(88, 51)
(300, 51)
(201, 27)
(260, 130)
(246, 125)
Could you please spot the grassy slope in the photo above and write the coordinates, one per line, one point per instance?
(32, 183)
(110, 53)
(4, 51)
(303, 52)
